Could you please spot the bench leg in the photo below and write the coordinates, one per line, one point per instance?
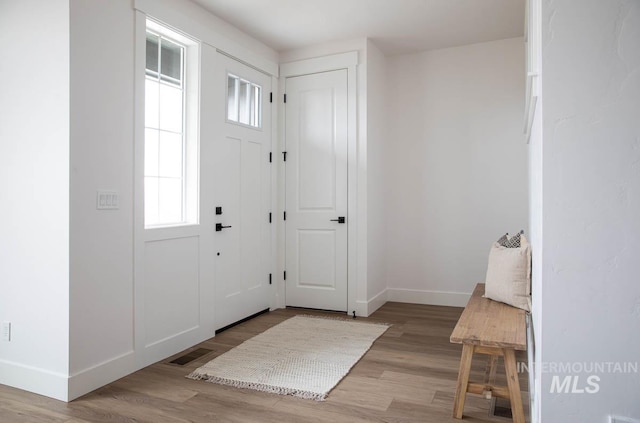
(514, 385)
(463, 380)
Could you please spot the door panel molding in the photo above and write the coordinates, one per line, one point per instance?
(308, 266)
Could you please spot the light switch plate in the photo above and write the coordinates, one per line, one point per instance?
(6, 331)
(107, 200)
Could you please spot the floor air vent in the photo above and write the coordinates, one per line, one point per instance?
(190, 356)
(500, 408)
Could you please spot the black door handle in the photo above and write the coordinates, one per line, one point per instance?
(219, 227)
(340, 219)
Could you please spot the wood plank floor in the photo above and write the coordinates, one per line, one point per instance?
(409, 375)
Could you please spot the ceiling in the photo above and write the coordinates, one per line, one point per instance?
(395, 26)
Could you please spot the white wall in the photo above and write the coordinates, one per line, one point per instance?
(102, 116)
(376, 172)
(326, 49)
(456, 167)
(34, 191)
(591, 202)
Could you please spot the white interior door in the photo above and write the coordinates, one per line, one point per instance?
(316, 190)
(242, 181)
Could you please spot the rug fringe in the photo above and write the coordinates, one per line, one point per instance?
(258, 387)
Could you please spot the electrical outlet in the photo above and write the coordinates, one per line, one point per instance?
(618, 419)
(6, 331)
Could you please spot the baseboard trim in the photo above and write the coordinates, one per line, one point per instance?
(34, 379)
(361, 309)
(160, 350)
(377, 301)
(366, 308)
(416, 296)
(101, 374)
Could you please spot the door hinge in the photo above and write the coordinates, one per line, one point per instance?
(271, 97)
(269, 278)
(285, 215)
(285, 275)
(285, 98)
(284, 155)
(269, 217)
(270, 157)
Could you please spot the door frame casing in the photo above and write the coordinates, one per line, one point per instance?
(348, 61)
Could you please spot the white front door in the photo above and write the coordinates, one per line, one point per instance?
(242, 192)
(316, 190)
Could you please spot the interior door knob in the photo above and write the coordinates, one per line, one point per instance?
(340, 219)
(219, 227)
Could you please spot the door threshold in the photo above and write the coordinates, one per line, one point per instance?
(266, 310)
(317, 309)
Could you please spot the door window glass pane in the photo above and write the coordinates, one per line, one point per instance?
(232, 98)
(151, 201)
(151, 139)
(152, 53)
(244, 102)
(151, 103)
(170, 199)
(244, 97)
(171, 103)
(170, 155)
(256, 101)
(171, 61)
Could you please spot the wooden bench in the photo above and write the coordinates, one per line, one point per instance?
(496, 329)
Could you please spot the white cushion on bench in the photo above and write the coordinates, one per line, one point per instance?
(509, 275)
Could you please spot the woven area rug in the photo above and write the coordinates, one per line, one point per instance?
(303, 356)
